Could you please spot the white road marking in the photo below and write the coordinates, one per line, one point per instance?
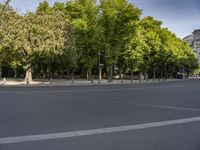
(72, 134)
(157, 106)
(169, 107)
(148, 105)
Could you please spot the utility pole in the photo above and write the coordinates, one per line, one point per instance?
(99, 67)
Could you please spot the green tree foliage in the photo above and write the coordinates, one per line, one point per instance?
(84, 21)
(67, 37)
(9, 18)
(155, 49)
(36, 34)
(43, 7)
(46, 35)
(119, 22)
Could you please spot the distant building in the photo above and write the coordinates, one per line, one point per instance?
(194, 41)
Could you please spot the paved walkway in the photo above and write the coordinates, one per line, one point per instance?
(63, 82)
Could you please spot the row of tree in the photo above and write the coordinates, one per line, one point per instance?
(71, 37)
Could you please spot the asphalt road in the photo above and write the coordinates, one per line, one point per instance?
(154, 116)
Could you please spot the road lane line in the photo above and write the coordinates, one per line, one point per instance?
(148, 105)
(168, 107)
(157, 106)
(72, 134)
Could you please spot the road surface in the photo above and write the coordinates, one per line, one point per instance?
(154, 116)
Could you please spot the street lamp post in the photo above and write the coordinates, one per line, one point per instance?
(99, 67)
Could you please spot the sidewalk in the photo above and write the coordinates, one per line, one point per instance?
(65, 82)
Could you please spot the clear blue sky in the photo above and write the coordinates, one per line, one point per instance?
(180, 16)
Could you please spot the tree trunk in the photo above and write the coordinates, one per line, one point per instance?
(68, 74)
(121, 75)
(166, 76)
(28, 77)
(72, 76)
(90, 75)
(110, 74)
(140, 77)
(82, 73)
(92, 79)
(15, 73)
(154, 74)
(0, 72)
(51, 75)
(62, 74)
(43, 75)
(87, 75)
(131, 76)
(145, 75)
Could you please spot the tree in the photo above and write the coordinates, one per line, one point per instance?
(119, 22)
(59, 7)
(85, 29)
(150, 29)
(8, 19)
(36, 35)
(43, 7)
(133, 55)
(67, 38)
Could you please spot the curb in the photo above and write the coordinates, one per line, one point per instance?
(54, 84)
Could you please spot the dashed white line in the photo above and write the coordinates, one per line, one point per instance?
(148, 105)
(169, 107)
(72, 134)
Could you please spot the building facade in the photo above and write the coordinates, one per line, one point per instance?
(194, 41)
